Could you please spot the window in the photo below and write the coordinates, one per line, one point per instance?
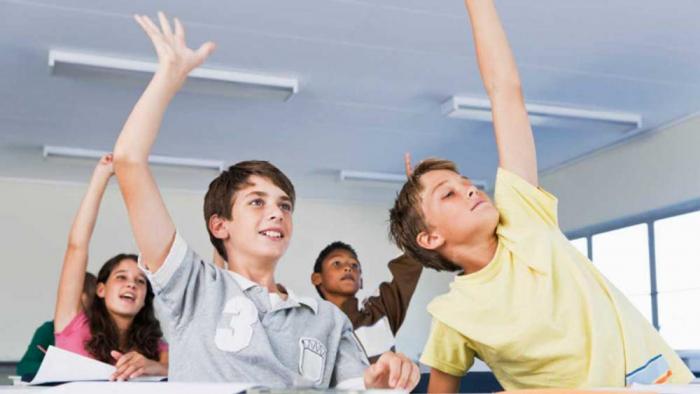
(581, 244)
(677, 244)
(623, 257)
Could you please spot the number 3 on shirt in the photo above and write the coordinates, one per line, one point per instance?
(237, 334)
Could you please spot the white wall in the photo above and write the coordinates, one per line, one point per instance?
(35, 217)
(655, 170)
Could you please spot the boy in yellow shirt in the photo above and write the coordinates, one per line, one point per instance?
(528, 303)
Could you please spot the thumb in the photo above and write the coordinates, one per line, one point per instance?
(205, 50)
(116, 355)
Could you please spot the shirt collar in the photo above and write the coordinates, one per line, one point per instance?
(292, 299)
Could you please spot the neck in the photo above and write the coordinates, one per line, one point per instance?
(336, 299)
(123, 323)
(474, 256)
(260, 271)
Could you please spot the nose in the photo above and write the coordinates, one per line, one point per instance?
(472, 192)
(275, 213)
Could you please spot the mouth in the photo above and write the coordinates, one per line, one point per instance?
(272, 234)
(478, 203)
(128, 297)
(347, 277)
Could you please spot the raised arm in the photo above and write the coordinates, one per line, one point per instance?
(70, 284)
(152, 226)
(499, 73)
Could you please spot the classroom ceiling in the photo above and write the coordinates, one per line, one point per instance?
(373, 75)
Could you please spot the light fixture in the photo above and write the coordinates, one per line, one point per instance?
(480, 109)
(79, 153)
(225, 81)
(389, 178)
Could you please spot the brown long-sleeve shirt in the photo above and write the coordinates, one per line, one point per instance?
(379, 318)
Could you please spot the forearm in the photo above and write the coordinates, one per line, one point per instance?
(499, 72)
(141, 128)
(84, 221)
(441, 382)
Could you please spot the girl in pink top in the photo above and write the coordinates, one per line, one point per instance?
(119, 327)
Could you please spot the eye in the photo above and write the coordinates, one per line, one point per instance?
(448, 194)
(285, 206)
(336, 263)
(258, 202)
(141, 281)
(355, 266)
(121, 276)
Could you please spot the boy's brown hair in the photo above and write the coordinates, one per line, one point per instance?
(407, 220)
(222, 191)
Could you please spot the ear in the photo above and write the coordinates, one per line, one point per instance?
(218, 226)
(316, 278)
(429, 240)
(100, 291)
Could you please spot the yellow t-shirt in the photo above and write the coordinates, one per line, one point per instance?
(540, 314)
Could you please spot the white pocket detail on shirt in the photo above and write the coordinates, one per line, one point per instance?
(312, 359)
(237, 335)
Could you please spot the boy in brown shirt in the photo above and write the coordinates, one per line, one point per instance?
(338, 277)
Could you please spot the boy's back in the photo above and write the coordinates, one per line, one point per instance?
(540, 314)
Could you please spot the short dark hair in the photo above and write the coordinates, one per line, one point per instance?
(222, 191)
(406, 219)
(330, 248)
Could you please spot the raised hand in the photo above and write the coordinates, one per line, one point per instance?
(407, 164)
(394, 371)
(175, 58)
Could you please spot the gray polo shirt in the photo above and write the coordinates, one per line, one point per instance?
(223, 328)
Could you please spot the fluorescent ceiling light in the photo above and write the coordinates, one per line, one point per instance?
(228, 81)
(480, 109)
(388, 178)
(79, 153)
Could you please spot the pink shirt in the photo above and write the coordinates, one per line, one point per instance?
(77, 333)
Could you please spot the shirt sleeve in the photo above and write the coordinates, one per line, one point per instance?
(528, 220)
(350, 363)
(182, 282)
(447, 350)
(523, 204)
(394, 297)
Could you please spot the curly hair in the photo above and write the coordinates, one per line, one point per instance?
(143, 335)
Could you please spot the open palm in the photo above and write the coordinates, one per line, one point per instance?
(175, 58)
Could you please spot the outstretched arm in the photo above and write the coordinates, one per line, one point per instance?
(152, 226)
(70, 285)
(499, 73)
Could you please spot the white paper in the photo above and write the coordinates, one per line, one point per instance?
(60, 365)
(63, 366)
(668, 388)
(150, 388)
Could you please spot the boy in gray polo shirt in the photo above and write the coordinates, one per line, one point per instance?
(237, 325)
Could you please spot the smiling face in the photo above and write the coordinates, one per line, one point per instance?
(260, 227)
(341, 274)
(456, 212)
(124, 291)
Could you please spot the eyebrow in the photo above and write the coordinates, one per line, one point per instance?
(142, 276)
(438, 186)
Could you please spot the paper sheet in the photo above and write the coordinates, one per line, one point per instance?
(63, 366)
(149, 388)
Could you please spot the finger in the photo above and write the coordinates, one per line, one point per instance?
(165, 27)
(180, 33)
(374, 370)
(124, 359)
(415, 377)
(394, 370)
(127, 372)
(407, 163)
(116, 355)
(152, 31)
(137, 373)
(205, 50)
(404, 378)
